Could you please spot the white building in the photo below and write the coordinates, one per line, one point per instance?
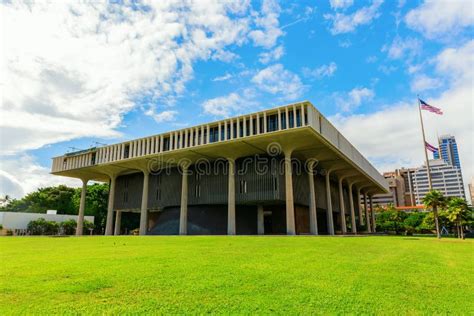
(445, 178)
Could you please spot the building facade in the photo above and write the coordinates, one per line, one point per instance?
(445, 178)
(401, 193)
(285, 170)
(471, 190)
(448, 151)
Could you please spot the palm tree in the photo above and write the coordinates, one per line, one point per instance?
(434, 199)
(457, 212)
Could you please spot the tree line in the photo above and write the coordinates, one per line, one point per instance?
(66, 201)
(451, 213)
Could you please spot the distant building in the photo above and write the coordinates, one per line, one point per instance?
(445, 178)
(401, 189)
(471, 190)
(448, 151)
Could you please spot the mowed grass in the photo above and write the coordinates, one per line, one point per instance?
(236, 275)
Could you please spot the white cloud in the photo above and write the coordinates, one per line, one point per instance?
(346, 23)
(341, 4)
(275, 80)
(357, 95)
(23, 174)
(387, 69)
(272, 55)
(422, 83)
(349, 101)
(227, 105)
(391, 137)
(225, 77)
(371, 59)
(345, 43)
(267, 22)
(279, 81)
(164, 116)
(441, 18)
(403, 48)
(457, 63)
(322, 71)
(74, 69)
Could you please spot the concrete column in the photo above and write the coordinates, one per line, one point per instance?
(351, 203)
(238, 127)
(342, 207)
(244, 126)
(330, 219)
(302, 115)
(258, 123)
(287, 119)
(144, 206)
(219, 138)
(265, 122)
(231, 199)
(359, 203)
(279, 119)
(183, 215)
(372, 211)
(82, 207)
(251, 126)
(367, 218)
(208, 136)
(110, 207)
(295, 121)
(290, 208)
(313, 219)
(118, 222)
(260, 220)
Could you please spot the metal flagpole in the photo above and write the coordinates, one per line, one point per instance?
(424, 146)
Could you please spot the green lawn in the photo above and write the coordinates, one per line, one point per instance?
(243, 275)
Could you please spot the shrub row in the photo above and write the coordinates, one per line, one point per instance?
(44, 227)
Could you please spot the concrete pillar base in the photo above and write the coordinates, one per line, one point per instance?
(290, 207)
(118, 222)
(82, 207)
(260, 220)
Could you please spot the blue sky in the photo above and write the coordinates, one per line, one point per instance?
(79, 74)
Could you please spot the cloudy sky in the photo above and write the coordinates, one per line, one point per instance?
(85, 72)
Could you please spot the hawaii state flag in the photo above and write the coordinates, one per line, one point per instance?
(431, 147)
(427, 107)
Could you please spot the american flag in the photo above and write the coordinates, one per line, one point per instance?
(426, 106)
(431, 147)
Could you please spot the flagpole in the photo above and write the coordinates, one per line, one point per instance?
(424, 146)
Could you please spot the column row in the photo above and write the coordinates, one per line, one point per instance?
(231, 225)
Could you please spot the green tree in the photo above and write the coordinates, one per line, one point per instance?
(413, 222)
(58, 198)
(66, 201)
(434, 200)
(390, 219)
(457, 212)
